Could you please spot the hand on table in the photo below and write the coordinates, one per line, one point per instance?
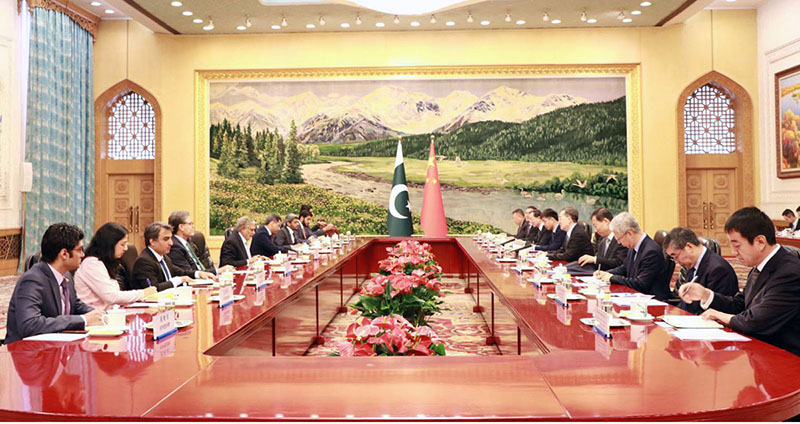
(206, 275)
(149, 291)
(587, 259)
(714, 315)
(226, 268)
(255, 258)
(94, 317)
(603, 276)
(691, 292)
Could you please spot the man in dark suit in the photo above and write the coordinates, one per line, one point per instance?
(644, 269)
(609, 254)
(518, 216)
(553, 237)
(534, 218)
(321, 224)
(154, 268)
(703, 266)
(303, 233)
(791, 219)
(44, 299)
(576, 240)
(235, 251)
(285, 236)
(264, 240)
(184, 253)
(769, 307)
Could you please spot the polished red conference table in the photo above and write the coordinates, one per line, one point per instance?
(242, 362)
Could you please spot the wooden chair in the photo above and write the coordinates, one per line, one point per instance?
(125, 274)
(711, 244)
(30, 261)
(659, 237)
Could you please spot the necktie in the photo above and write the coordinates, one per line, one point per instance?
(65, 296)
(607, 244)
(165, 269)
(194, 257)
(690, 274)
(291, 234)
(751, 282)
(566, 240)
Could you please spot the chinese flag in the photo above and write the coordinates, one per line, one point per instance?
(432, 217)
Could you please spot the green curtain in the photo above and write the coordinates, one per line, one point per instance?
(59, 138)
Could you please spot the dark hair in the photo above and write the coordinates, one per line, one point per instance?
(531, 207)
(176, 219)
(153, 230)
(536, 212)
(305, 208)
(787, 212)
(751, 222)
(798, 209)
(272, 218)
(518, 211)
(549, 213)
(571, 212)
(679, 237)
(305, 213)
(602, 213)
(59, 236)
(102, 246)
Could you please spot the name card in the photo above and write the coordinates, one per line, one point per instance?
(164, 324)
(225, 296)
(602, 322)
(562, 292)
(163, 349)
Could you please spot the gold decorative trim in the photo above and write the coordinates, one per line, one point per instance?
(73, 11)
(632, 72)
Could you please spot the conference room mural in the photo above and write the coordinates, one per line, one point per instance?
(787, 95)
(502, 143)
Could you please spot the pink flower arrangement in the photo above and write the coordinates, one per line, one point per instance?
(400, 284)
(389, 335)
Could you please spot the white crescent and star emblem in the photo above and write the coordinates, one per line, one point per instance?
(396, 190)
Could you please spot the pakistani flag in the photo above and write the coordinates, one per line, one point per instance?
(398, 221)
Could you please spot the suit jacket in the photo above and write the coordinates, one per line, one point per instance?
(533, 235)
(556, 241)
(283, 239)
(646, 272)
(233, 251)
(198, 244)
(796, 225)
(769, 308)
(147, 267)
(576, 246)
(182, 259)
(264, 244)
(715, 274)
(522, 230)
(35, 306)
(304, 233)
(544, 237)
(609, 257)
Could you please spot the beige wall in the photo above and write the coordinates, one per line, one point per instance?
(10, 106)
(671, 59)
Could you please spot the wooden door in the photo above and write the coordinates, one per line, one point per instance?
(711, 197)
(131, 204)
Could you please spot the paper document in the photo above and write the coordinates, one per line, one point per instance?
(689, 321)
(626, 301)
(56, 337)
(713, 334)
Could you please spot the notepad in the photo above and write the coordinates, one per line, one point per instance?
(689, 321)
(626, 301)
(56, 337)
(712, 334)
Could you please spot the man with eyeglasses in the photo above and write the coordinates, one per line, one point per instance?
(702, 266)
(644, 269)
(44, 299)
(184, 253)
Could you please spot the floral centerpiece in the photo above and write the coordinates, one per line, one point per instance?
(414, 296)
(390, 335)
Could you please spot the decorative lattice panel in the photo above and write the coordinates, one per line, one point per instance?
(709, 121)
(131, 129)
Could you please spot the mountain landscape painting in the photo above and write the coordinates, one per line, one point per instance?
(502, 144)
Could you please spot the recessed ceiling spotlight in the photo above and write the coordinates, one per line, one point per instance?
(284, 22)
(247, 22)
(555, 21)
(450, 23)
(380, 24)
(197, 20)
(176, 3)
(730, 1)
(210, 25)
(276, 27)
(96, 3)
(358, 19)
(396, 19)
(636, 12)
(414, 23)
(321, 20)
(645, 3)
(433, 19)
(621, 15)
(521, 22)
(187, 13)
(484, 23)
(591, 21)
(627, 20)
(241, 27)
(583, 16)
(109, 11)
(508, 17)
(545, 17)
(310, 26)
(469, 18)
(344, 25)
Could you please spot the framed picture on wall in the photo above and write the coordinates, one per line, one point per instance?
(787, 117)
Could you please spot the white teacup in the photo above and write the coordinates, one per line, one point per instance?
(114, 318)
(638, 309)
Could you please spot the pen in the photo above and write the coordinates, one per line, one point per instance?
(148, 282)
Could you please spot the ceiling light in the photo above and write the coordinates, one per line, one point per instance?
(176, 3)
(621, 15)
(358, 19)
(247, 22)
(730, 1)
(645, 3)
(396, 19)
(414, 23)
(187, 13)
(310, 26)
(433, 19)
(521, 22)
(450, 23)
(545, 17)
(283, 21)
(380, 24)
(210, 25)
(109, 11)
(96, 3)
(484, 23)
(583, 16)
(344, 25)
(508, 17)
(241, 27)
(555, 21)
(591, 21)
(469, 18)
(197, 21)
(321, 20)
(627, 20)
(406, 7)
(276, 27)
(636, 12)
